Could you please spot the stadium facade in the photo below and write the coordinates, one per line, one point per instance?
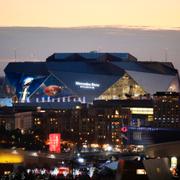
(88, 76)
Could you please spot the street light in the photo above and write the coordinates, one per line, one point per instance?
(81, 160)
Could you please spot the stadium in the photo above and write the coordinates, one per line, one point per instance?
(88, 76)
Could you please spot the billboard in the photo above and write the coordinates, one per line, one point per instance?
(54, 142)
(52, 90)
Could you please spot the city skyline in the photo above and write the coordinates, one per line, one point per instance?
(90, 89)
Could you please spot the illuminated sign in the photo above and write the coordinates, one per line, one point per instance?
(64, 170)
(140, 171)
(146, 111)
(87, 85)
(27, 81)
(54, 142)
(8, 158)
(124, 129)
(52, 90)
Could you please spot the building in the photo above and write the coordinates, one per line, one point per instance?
(141, 110)
(108, 121)
(83, 77)
(167, 109)
(114, 122)
(152, 135)
(99, 123)
(7, 118)
(23, 120)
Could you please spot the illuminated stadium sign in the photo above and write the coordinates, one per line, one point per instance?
(54, 142)
(27, 81)
(52, 90)
(87, 85)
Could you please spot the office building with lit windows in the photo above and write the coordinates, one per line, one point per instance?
(167, 109)
(83, 77)
(113, 122)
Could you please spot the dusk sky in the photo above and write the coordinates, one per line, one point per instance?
(148, 29)
(73, 13)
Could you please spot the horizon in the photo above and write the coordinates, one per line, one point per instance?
(37, 43)
(153, 28)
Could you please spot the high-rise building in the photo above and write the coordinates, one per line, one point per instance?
(167, 109)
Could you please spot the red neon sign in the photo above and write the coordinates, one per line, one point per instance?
(64, 170)
(54, 142)
(124, 129)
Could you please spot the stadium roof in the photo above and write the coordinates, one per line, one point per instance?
(28, 68)
(99, 69)
(86, 67)
(93, 62)
(93, 56)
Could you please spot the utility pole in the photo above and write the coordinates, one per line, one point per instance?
(15, 55)
(166, 54)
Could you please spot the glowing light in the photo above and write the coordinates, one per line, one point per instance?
(26, 84)
(52, 156)
(78, 107)
(64, 170)
(173, 162)
(34, 154)
(10, 158)
(54, 142)
(94, 145)
(81, 160)
(147, 111)
(52, 90)
(124, 129)
(140, 171)
(87, 85)
(7, 172)
(107, 147)
(14, 152)
(91, 171)
(85, 146)
(55, 172)
(116, 112)
(43, 171)
(27, 81)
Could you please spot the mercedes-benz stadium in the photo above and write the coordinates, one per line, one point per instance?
(88, 76)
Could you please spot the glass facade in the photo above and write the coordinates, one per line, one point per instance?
(124, 88)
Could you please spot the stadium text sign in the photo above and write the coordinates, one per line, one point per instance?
(87, 85)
